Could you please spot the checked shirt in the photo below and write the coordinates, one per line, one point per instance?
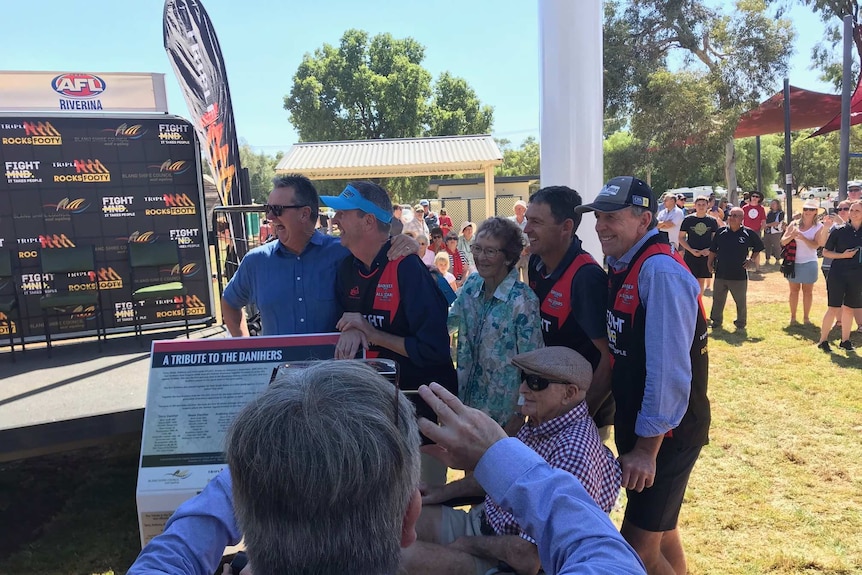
(569, 442)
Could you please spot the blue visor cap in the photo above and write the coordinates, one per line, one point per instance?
(351, 199)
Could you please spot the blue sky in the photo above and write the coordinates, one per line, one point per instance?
(491, 43)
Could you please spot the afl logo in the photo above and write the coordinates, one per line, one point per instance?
(78, 85)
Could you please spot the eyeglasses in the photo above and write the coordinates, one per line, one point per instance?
(451, 239)
(388, 368)
(809, 209)
(843, 209)
(487, 252)
(536, 383)
(276, 209)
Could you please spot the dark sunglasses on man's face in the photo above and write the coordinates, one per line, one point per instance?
(843, 209)
(536, 383)
(277, 210)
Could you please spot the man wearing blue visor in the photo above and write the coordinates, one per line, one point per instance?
(393, 309)
(292, 280)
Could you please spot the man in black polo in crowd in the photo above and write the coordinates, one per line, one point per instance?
(393, 309)
(733, 252)
(695, 237)
(572, 289)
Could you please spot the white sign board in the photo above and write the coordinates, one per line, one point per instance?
(196, 388)
(82, 92)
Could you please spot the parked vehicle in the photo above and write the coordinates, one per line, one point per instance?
(818, 192)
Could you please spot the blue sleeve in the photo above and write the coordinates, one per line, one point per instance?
(426, 311)
(238, 291)
(590, 301)
(572, 534)
(195, 536)
(670, 316)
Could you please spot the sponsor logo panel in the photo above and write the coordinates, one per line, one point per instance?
(63, 210)
(7, 325)
(193, 304)
(171, 205)
(85, 171)
(23, 172)
(30, 134)
(186, 237)
(124, 312)
(174, 134)
(118, 206)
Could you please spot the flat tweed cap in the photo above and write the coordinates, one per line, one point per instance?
(557, 363)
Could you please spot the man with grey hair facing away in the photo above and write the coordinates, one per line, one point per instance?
(325, 468)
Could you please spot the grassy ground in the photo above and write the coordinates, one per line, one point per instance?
(777, 491)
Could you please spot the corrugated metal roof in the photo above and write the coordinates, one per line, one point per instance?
(392, 158)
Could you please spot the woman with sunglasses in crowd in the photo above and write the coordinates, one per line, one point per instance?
(809, 234)
(496, 317)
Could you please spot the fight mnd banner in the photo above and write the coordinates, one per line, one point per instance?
(196, 57)
(82, 92)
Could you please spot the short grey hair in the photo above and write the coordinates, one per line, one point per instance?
(640, 210)
(322, 474)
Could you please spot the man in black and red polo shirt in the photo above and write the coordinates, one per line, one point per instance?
(572, 289)
(391, 308)
(662, 410)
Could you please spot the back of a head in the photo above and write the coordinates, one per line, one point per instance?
(322, 475)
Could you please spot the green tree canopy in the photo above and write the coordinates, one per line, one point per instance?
(523, 161)
(261, 170)
(734, 56)
(370, 88)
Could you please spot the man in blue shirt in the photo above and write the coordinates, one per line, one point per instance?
(662, 415)
(292, 280)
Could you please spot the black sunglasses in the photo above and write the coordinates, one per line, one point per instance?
(537, 383)
(843, 209)
(276, 209)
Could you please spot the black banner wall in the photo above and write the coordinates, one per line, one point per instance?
(195, 55)
(103, 181)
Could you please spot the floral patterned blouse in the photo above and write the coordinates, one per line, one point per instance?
(491, 331)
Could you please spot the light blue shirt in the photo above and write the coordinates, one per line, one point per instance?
(294, 293)
(572, 534)
(669, 293)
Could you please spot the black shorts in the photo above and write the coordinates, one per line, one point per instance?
(844, 289)
(697, 266)
(657, 508)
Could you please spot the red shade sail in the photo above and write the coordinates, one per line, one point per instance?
(807, 110)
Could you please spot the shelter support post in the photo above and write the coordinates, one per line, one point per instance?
(788, 166)
(759, 170)
(844, 153)
(490, 196)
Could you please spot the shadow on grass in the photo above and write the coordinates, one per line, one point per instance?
(733, 337)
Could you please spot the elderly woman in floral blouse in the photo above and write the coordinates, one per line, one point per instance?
(496, 317)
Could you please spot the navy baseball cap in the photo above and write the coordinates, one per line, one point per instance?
(622, 192)
(351, 199)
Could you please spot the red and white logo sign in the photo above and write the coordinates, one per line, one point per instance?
(84, 86)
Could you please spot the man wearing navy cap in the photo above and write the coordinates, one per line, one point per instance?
(391, 308)
(662, 414)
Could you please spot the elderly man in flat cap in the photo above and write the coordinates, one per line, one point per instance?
(554, 384)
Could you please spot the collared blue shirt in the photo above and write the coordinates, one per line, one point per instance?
(669, 294)
(294, 293)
